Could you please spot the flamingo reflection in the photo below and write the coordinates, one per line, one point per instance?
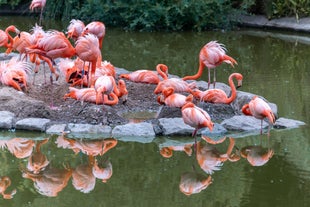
(38, 161)
(5, 182)
(88, 147)
(210, 159)
(192, 182)
(256, 155)
(50, 181)
(19, 147)
(167, 152)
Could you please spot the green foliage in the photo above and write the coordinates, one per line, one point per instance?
(298, 8)
(11, 3)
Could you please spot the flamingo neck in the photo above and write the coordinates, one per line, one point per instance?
(198, 74)
(162, 71)
(233, 90)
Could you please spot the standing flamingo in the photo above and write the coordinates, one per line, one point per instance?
(210, 56)
(196, 117)
(38, 4)
(75, 29)
(259, 108)
(96, 28)
(218, 95)
(87, 49)
(6, 40)
(53, 45)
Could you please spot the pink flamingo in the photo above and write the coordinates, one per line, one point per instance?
(196, 117)
(260, 109)
(218, 95)
(210, 56)
(147, 76)
(87, 49)
(97, 28)
(38, 4)
(75, 29)
(171, 99)
(6, 40)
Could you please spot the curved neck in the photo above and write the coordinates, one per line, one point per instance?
(233, 89)
(7, 30)
(162, 70)
(198, 74)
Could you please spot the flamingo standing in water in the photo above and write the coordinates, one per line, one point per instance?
(260, 109)
(87, 49)
(196, 117)
(218, 95)
(38, 4)
(210, 56)
(6, 40)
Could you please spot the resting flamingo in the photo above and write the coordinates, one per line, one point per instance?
(147, 76)
(210, 56)
(53, 45)
(6, 40)
(171, 99)
(218, 95)
(260, 109)
(196, 117)
(87, 49)
(96, 28)
(177, 84)
(38, 4)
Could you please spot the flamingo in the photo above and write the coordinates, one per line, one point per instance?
(6, 40)
(53, 45)
(38, 4)
(210, 56)
(147, 76)
(218, 95)
(75, 29)
(15, 73)
(177, 84)
(196, 117)
(5, 182)
(19, 147)
(260, 109)
(105, 85)
(87, 49)
(97, 28)
(171, 99)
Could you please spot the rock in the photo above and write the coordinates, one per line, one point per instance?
(140, 132)
(35, 124)
(89, 131)
(7, 120)
(243, 123)
(56, 129)
(174, 126)
(284, 123)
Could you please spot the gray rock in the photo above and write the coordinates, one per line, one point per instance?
(56, 129)
(7, 120)
(174, 126)
(36, 124)
(89, 131)
(243, 123)
(284, 123)
(139, 132)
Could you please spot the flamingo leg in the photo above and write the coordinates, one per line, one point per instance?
(209, 78)
(261, 127)
(83, 73)
(214, 77)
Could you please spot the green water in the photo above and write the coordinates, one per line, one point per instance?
(274, 64)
